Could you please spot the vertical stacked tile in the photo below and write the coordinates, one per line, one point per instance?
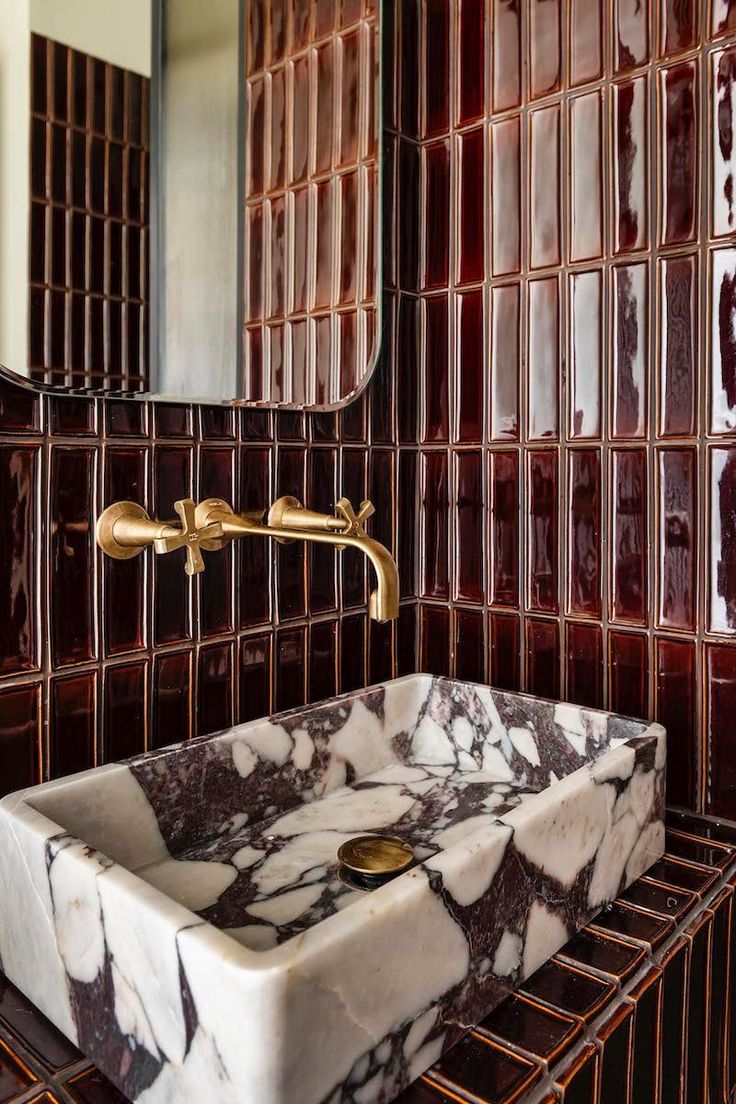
(311, 193)
(577, 279)
(88, 235)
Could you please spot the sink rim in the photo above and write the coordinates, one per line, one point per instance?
(328, 932)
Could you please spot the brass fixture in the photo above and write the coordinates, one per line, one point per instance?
(124, 529)
(375, 856)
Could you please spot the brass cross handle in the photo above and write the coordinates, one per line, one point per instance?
(189, 537)
(355, 522)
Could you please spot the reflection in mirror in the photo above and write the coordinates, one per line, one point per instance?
(310, 199)
(74, 186)
(189, 197)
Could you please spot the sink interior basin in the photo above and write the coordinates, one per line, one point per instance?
(524, 816)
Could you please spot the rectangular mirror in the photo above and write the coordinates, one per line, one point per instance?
(190, 198)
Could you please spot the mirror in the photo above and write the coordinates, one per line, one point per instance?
(190, 198)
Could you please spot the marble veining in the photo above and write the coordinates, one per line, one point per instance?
(181, 917)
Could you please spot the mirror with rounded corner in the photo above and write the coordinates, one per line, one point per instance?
(190, 198)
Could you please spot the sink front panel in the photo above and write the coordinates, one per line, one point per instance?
(187, 914)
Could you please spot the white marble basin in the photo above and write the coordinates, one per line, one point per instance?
(180, 916)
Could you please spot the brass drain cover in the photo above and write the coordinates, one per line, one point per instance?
(375, 856)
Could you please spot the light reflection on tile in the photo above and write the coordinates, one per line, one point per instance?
(586, 47)
(586, 346)
(543, 358)
(545, 31)
(722, 566)
(585, 177)
(544, 187)
(506, 185)
(722, 341)
(630, 153)
(630, 293)
(505, 363)
(723, 115)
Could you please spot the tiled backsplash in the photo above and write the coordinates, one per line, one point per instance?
(88, 245)
(546, 438)
(570, 286)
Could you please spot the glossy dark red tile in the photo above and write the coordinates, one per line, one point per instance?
(615, 1059)
(584, 665)
(124, 711)
(470, 367)
(255, 677)
(503, 536)
(484, 1069)
(469, 582)
(172, 698)
(434, 640)
(675, 706)
(72, 723)
(71, 557)
(20, 736)
(18, 610)
(679, 152)
(435, 536)
(629, 535)
(542, 530)
(470, 649)
(505, 645)
(543, 658)
(584, 533)
(720, 702)
(172, 476)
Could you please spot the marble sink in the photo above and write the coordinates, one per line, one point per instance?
(181, 916)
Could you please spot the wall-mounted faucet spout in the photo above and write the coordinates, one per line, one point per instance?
(124, 529)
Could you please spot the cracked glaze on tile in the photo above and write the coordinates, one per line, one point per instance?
(180, 917)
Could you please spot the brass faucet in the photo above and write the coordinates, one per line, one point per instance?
(125, 529)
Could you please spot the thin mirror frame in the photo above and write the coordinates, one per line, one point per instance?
(156, 251)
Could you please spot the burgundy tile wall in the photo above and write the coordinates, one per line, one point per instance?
(549, 436)
(574, 276)
(311, 194)
(88, 233)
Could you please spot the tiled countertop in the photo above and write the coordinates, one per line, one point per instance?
(624, 994)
